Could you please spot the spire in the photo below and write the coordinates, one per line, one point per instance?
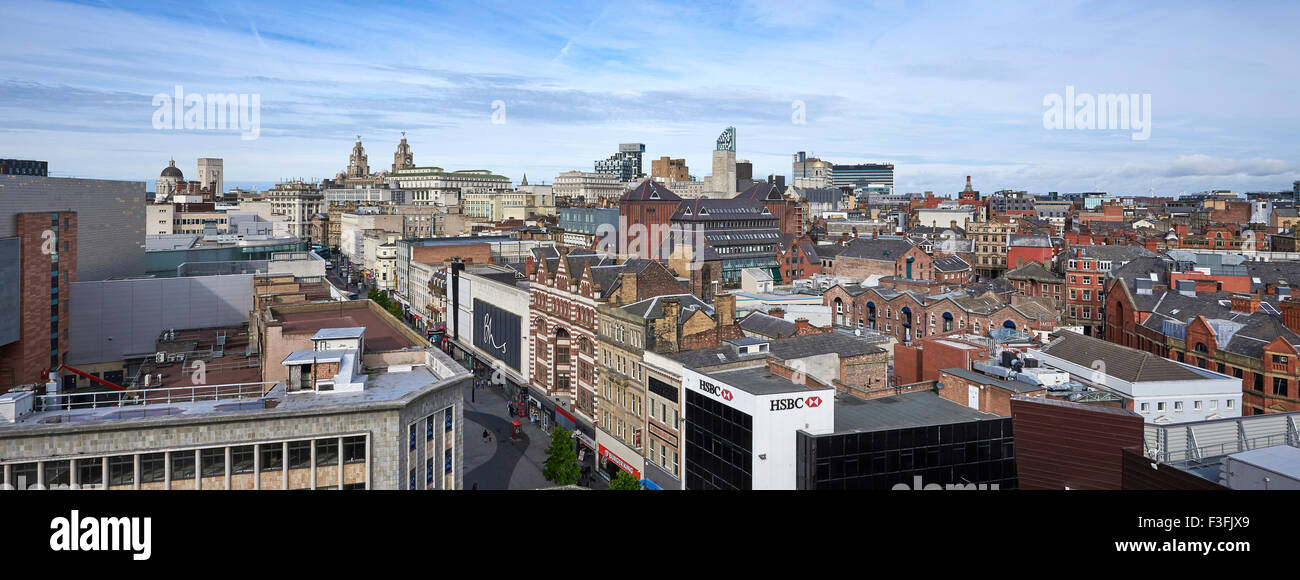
(525, 181)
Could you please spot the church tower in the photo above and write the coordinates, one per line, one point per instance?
(403, 159)
(357, 165)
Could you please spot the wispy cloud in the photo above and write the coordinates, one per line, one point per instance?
(944, 90)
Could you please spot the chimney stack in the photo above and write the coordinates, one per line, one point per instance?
(1246, 304)
(776, 311)
(724, 306)
(666, 327)
(627, 288)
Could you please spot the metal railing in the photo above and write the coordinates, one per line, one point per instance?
(171, 395)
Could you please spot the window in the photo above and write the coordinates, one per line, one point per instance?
(327, 452)
(272, 457)
(354, 449)
(1196, 405)
(1178, 406)
(213, 462)
(300, 454)
(1229, 403)
(1160, 406)
(90, 472)
(1279, 386)
(241, 459)
(1146, 407)
(121, 470)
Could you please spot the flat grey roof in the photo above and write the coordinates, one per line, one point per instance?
(748, 340)
(761, 381)
(302, 357)
(917, 409)
(337, 333)
(1282, 459)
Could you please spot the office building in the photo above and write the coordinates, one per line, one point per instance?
(626, 164)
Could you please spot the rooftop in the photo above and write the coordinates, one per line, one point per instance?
(760, 381)
(380, 334)
(917, 409)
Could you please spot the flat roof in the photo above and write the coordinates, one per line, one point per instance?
(338, 333)
(382, 389)
(380, 336)
(1283, 459)
(916, 409)
(302, 357)
(992, 381)
(761, 381)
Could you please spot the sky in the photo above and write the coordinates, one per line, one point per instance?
(942, 90)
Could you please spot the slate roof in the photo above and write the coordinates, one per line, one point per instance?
(1122, 362)
(653, 308)
(1112, 253)
(783, 349)
(1035, 272)
(885, 249)
(950, 264)
(1257, 329)
(767, 325)
(761, 191)
(703, 209)
(650, 190)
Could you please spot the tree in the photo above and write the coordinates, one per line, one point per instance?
(624, 480)
(561, 467)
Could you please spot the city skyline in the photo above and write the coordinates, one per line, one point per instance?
(941, 90)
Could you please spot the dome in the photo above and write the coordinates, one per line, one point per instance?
(172, 171)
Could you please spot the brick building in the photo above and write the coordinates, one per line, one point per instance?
(1254, 338)
(798, 257)
(791, 214)
(910, 315)
(650, 206)
(567, 286)
(44, 253)
(1086, 269)
(864, 258)
(1033, 279)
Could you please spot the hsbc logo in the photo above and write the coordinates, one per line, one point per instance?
(715, 390)
(796, 403)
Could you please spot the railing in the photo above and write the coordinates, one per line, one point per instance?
(1214, 452)
(93, 400)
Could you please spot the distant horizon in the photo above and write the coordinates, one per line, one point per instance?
(1014, 94)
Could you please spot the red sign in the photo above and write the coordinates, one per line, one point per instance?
(813, 401)
(618, 461)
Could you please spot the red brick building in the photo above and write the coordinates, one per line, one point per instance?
(47, 262)
(912, 315)
(566, 287)
(1086, 268)
(1245, 339)
(650, 206)
(1033, 279)
(1025, 248)
(922, 360)
(798, 257)
(791, 214)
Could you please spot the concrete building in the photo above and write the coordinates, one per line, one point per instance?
(723, 179)
(669, 169)
(110, 217)
(398, 427)
(590, 186)
(212, 176)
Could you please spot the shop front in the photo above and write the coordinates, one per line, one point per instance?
(612, 456)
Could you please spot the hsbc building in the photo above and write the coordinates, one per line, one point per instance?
(741, 427)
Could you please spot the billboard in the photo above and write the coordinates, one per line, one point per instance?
(496, 333)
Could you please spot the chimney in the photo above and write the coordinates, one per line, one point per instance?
(776, 311)
(1245, 303)
(666, 326)
(724, 306)
(627, 287)
(1291, 314)
(529, 267)
(801, 326)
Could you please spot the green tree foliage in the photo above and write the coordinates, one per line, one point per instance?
(624, 480)
(561, 467)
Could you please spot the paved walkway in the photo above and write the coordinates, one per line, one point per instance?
(501, 463)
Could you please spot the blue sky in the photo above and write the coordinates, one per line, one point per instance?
(943, 90)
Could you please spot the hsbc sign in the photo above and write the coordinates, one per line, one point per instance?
(715, 390)
(796, 403)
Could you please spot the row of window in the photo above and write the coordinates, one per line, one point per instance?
(1196, 406)
(185, 465)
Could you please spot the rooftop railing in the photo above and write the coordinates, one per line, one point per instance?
(170, 395)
